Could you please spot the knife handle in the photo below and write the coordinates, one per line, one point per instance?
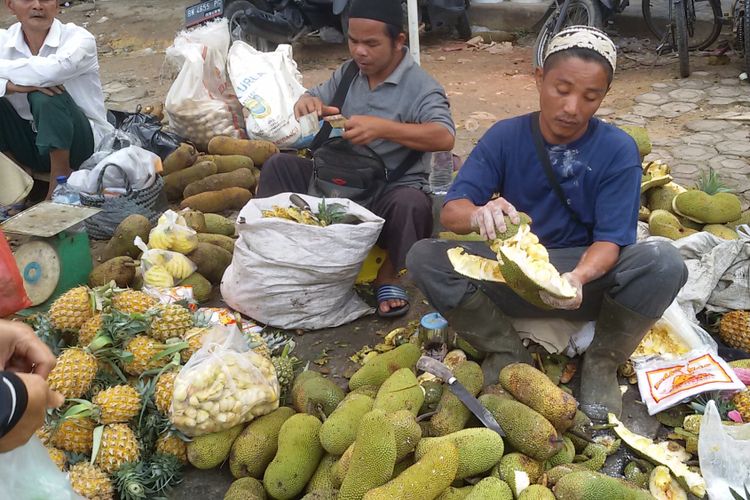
(435, 367)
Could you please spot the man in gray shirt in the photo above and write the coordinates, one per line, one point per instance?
(393, 107)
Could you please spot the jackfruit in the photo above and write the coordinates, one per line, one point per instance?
(490, 488)
(593, 457)
(536, 492)
(378, 369)
(366, 390)
(299, 453)
(743, 219)
(320, 495)
(210, 450)
(590, 485)
(555, 473)
(453, 493)
(312, 393)
(708, 209)
(526, 430)
(479, 449)
(663, 487)
(403, 465)
(660, 198)
(518, 470)
(433, 391)
(690, 224)
(663, 223)
(534, 389)
(246, 488)
(452, 415)
(424, 480)
(721, 231)
(474, 266)
(407, 433)
(510, 228)
(373, 458)
(655, 174)
(638, 472)
(400, 391)
(322, 480)
(341, 467)
(582, 426)
(643, 214)
(524, 263)
(339, 430)
(254, 449)
(641, 138)
(562, 457)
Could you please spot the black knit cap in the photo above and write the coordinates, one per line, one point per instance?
(386, 11)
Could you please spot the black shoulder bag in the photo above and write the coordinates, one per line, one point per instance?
(345, 170)
(550, 173)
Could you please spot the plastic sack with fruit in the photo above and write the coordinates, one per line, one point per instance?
(173, 233)
(163, 268)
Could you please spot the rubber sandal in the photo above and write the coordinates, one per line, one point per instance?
(392, 292)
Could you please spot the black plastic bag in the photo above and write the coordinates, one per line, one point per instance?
(147, 129)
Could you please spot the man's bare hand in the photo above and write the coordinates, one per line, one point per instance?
(40, 397)
(308, 104)
(490, 218)
(22, 351)
(12, 88)
(568, 304)
(361, 129)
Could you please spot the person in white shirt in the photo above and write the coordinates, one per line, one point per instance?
(52, 112)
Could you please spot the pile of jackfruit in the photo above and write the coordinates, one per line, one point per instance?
(398, 436)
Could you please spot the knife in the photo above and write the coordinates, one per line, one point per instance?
(300, 202)
(435, 367)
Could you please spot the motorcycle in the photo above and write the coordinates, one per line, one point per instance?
(267, 23)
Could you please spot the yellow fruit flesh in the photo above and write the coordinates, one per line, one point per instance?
(474, 266)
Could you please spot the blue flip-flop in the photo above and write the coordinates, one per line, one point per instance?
(392, 292)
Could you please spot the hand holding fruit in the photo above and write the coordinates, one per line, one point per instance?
(22, 351)
(489, 219)
(39, 398)
(569, 304)
(309, 104)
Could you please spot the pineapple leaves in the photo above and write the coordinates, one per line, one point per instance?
(98, 432)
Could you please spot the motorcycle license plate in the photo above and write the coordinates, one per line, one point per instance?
(203, 11)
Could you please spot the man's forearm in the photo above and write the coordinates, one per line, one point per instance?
(419, 136)
(456, 216)
(596, 261)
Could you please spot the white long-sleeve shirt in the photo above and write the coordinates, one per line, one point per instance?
(68, 57)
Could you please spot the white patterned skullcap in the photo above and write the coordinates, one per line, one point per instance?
(585, 37)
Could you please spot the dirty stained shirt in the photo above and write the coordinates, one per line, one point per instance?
(408, 95)
(600, 174)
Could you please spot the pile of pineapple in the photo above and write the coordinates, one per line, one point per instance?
(119, 352)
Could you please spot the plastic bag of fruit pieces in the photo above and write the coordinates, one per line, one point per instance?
(173, 233)
(163, 268)
(224, 384)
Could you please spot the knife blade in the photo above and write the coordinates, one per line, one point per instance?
(435, 367)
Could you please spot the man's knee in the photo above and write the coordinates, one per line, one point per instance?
(413, 201)
(666, 267)
(424, 255)
(43, 102)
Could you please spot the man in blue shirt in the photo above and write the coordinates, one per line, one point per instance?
(625, 286)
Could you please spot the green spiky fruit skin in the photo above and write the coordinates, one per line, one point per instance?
(453, 493)
(373, 458)
(254, 449)
(298, 455)
(490, 487)
(596, 454)
(641, 138)
(511, 229)
(564, 456)
(427, 478)
(536, 492)
(407, 432)
(708, 209)
(210, 450)
(246, 488)
(479, 449)
(322, 480)
(284, 367)
(378, 369)
(521, 284)
(339, 430)
(589, 485)
(526, 430)
(555, 473)
(400, 391)
(513, 463)
(311, 393)
(452, 415)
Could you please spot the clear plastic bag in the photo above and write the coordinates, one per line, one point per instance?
(28, 473)
(223, 385)
(172, 233)
(13, 296)
(723, 451)
(163, 268)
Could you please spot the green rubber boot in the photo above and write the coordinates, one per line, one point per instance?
(480, 322)
(618, 332)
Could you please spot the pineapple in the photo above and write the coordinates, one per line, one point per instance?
(157, 476)
(169, 444)
(144, 349)
(170, 321)
(71, 310)
(44, 434)
(58, 456)
(194, 338)
(75, 371)
(258, 344)
(91, 482)
(734, 329)
(741, 402)
(133, 302)
(74, 435)
(284, 366)
(120, 403)
(119, 445)
(164, 390)
(90, 329)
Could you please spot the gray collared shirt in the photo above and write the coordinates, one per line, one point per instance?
(408, 95)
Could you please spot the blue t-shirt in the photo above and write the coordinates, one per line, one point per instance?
(600, 174)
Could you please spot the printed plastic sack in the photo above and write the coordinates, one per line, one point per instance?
(162, 268)
(268, 84)
(222, 385)
(290, 275)
(28, 473)
(723, 451)
(173, 233)
(200, 103)
(13, 296)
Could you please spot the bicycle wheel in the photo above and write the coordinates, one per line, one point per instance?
(580, 12)
(746, 35)
(681, 35)
(706, 25)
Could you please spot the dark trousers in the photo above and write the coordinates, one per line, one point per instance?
(645, 279)
(407, 211)
(60, 124)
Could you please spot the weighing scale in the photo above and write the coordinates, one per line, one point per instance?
(55, 258)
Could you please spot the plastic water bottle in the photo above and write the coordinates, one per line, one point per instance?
(63, 193)
(441, 173)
